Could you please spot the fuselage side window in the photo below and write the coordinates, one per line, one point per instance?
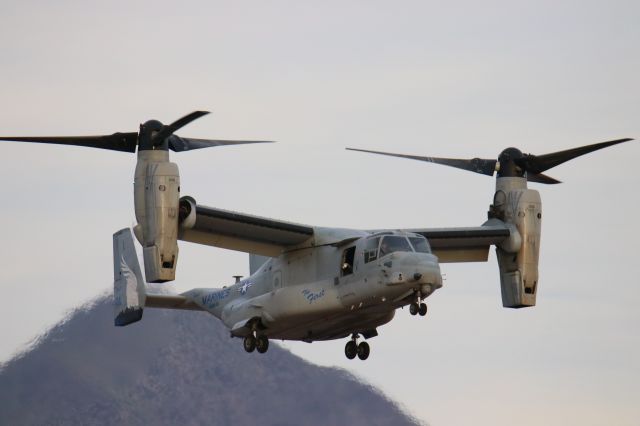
(394, 243)
(348, 257)
(420, 244)
(371, 249)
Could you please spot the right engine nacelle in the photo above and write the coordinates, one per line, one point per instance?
(518, 262)
(156, 197)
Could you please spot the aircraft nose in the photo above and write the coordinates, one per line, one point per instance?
(415, 268)
(427, 271)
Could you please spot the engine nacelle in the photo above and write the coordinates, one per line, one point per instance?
(187, 212)
(156, 197)
(518, 257)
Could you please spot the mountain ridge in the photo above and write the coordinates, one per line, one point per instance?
(175, 367)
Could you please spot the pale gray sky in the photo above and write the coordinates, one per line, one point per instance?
(461, 80)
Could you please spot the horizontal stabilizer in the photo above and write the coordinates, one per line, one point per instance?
(170, 301)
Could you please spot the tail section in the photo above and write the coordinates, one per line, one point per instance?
(128, 285)
(256, 261)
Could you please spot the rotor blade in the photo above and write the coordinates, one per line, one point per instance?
(125, 142)
(171, 128)
(477, 165)
(179, 144)
(540, 178)
(536, 164)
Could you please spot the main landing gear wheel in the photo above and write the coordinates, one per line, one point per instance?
(262, 344)
(351, 349)
(423, 309)
(363, 350)
(250, 343)
(414, 308)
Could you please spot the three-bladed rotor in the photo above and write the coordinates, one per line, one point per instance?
(511, 162)
(153, 135)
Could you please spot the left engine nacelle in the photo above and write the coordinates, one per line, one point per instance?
(156, 197)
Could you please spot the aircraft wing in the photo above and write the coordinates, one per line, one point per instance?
(464, 244)
(268, 237)
(242, 232)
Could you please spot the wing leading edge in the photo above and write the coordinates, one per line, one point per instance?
(241, 232)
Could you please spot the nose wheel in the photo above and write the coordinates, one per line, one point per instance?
(353, 349)
(417, 306)
(418, 309)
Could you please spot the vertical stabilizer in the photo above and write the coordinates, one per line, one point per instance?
(256, 261)
(128, 284)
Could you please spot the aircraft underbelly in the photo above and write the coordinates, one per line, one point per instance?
(335, 326)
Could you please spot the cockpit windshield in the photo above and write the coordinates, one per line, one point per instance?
(420, 244)
(377, 247)
(392, 243)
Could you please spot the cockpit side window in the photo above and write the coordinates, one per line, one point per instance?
(371, 249)
(420, 244)
(394, 243)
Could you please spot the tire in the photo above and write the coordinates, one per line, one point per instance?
(423, 309)
(249, 343)
(413, 308)
(351, 349)
(262, 344)
(363, 350)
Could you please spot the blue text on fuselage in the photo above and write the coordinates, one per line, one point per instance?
(213, 298)
(311, 296)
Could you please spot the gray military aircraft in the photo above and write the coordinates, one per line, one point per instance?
(312, 283)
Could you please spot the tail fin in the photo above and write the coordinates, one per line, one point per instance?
(128, 284)
(256, 261)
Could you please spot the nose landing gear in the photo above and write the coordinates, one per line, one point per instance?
(353, 349)
(418, 307)
(415, 309)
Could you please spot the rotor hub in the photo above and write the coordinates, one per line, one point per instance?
(507, 161)
(148, 130)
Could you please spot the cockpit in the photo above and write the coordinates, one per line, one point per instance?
(378, 245)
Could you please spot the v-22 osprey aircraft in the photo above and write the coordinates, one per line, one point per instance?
(312, 283)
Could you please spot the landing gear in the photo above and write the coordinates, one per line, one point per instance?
(363, 350)
(417, 307)
(353, 349)
(249, 343)
(423, 309)
(254, 341)
(414, 308)
(262, 344)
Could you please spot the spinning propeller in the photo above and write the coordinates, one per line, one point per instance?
(153, 135)
(512, 162)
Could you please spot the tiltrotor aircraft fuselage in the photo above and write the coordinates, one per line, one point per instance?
(311, 283)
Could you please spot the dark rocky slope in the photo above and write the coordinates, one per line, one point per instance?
(176, 368)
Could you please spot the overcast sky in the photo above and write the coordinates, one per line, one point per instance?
(464, 79)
